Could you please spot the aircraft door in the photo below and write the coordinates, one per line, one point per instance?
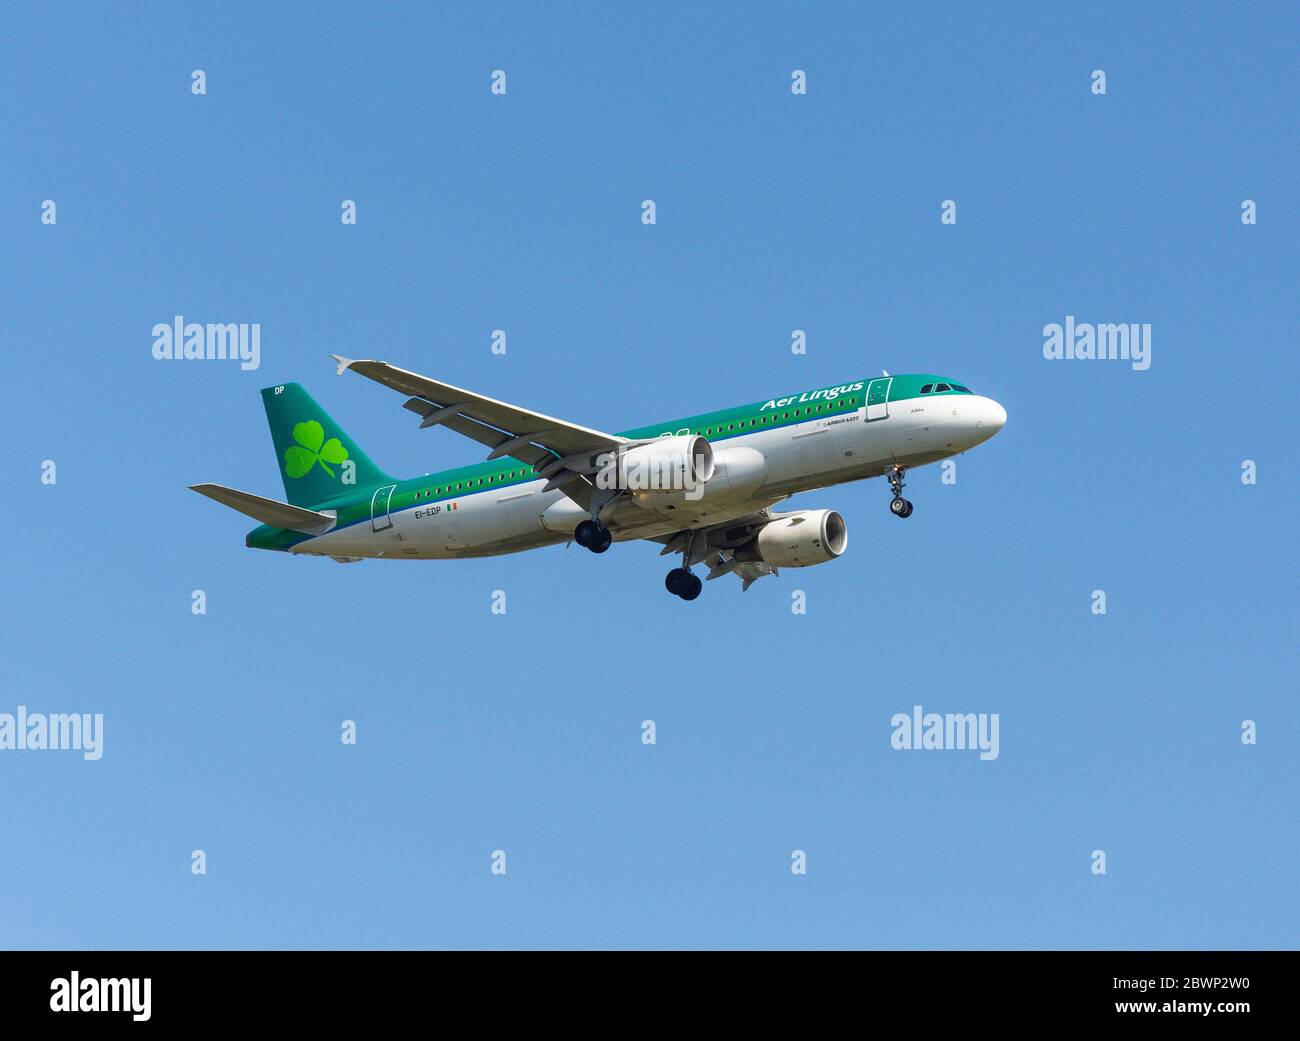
(878, 398)
(380, 520)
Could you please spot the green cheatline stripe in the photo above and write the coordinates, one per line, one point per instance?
(722, 425)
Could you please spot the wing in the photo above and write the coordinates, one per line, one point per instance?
(564, 453)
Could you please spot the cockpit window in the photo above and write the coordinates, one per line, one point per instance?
(958, 386)
(942, 387)
(927, 388)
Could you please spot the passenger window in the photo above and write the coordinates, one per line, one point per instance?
(927, 388)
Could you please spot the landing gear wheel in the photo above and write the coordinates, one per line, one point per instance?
(907, 512)
(900, 507)
(593, 536)
(681, 582)
(676, 580)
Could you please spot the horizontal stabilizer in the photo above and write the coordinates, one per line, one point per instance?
(269, 511)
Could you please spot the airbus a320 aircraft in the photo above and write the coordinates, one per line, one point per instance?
(703, 487)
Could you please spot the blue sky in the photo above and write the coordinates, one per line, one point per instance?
(774, 212)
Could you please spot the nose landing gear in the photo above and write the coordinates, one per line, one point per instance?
(898, 506)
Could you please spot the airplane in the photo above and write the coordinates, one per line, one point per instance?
(704, 487)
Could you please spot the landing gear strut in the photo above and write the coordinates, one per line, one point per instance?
(593, 535)
(679, 581)
(898, 506)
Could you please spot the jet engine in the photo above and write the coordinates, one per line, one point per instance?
(670, 464)
(798, 539)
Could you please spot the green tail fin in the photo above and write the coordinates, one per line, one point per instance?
(318, 461)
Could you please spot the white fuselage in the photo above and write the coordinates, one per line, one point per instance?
(753, 470)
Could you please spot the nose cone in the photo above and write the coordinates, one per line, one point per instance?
(977, 419)
(992, 416)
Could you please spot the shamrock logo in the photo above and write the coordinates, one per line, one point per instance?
(312, 448)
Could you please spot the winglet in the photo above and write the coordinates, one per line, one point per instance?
(343, 363)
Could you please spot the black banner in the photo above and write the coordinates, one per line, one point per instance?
(146, 990)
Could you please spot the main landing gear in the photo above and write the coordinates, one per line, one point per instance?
(679, 581)
(898, 506)
(593, 535)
